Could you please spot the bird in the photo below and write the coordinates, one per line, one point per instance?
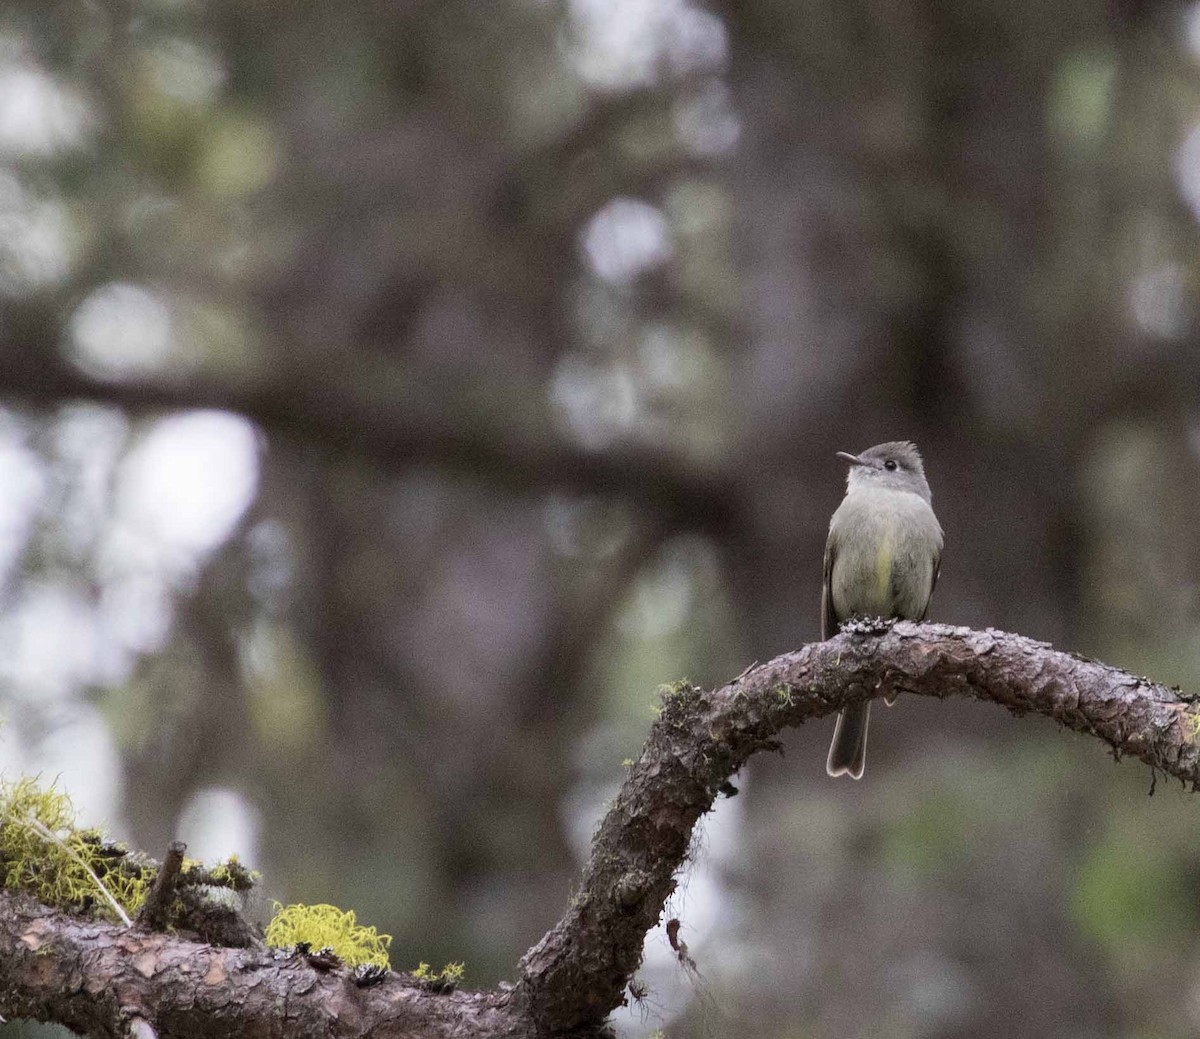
(882, 559)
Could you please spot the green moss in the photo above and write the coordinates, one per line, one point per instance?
(326, 926)
(678, 695)
(677, 699)
(45, 854)
(669, 689)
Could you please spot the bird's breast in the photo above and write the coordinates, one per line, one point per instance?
(886, 544)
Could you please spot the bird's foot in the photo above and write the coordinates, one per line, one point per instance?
(868, 625)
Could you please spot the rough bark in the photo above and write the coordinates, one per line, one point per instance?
(578, 972)
(99, 979)
(102, 979)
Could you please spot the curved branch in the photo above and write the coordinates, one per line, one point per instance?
(102, 980)
(576, 975)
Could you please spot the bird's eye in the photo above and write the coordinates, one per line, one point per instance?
(890, 465)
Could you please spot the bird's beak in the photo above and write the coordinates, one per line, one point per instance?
(846, 456)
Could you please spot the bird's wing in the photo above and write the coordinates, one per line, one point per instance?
(937, 569)
(829, 621)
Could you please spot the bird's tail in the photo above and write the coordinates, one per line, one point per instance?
(848, 751)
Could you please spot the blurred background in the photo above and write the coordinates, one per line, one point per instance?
(394, 394)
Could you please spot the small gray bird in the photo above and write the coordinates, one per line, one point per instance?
(881, 560)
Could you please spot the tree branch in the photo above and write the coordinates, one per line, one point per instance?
(577, 974)
(102, 979)
(153, 913)
(395, 422)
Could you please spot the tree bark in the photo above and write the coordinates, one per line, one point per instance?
(102, 979)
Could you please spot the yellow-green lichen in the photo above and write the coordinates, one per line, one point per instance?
(44, 853)
(233, 875)
(326, 926)
(440, 981)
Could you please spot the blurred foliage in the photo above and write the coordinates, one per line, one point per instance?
(394, 395)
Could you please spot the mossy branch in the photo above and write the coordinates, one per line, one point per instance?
(97, 977)
(51, 837)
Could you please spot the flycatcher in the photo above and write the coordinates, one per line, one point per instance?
(881, 560)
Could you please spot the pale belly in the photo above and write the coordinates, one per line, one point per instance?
(884, 566)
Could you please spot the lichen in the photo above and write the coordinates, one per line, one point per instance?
(228, 874)
(444, 980)
(326, 926)
(43, 852)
